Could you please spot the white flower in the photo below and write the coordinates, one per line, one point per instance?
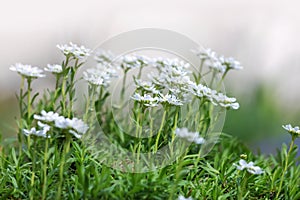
(146, 85)
(292, 130)
(99, 76)
(75, 126)
(204, 53)
(189, 136)
(27, 70)
(250, 167)
(226, 102)
(170, 99)
(104, 57)
(230, 63)
(217, 63)
(202, 91)
(56, 69)
(39, 133)
(146, 99)
(78, 52)
(180, 197)
(46, 116)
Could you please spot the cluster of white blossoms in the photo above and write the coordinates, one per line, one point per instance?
(128, 62)
(38, 133)
(153, 101)
(189, 136)
(104, 57)
(55, 68)
(100, 76)
(174, 77)
(292, 130)
(75, 51)
(27, 71)
(250, 167)
(220, 64)
(74, 126)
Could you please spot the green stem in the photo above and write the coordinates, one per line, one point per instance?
(28, 101)
(160, 130)
(21, 115)
(123, 86)
(33, 170)
(45, 170)
(62, 164)
(285, 166)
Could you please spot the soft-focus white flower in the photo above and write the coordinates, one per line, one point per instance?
(226, 102)
(39, 133)
(180, 197)
(78, 52)
(27, 71)
(220, 64)
(250, 167)
(99, 76)
(170, 99)
(56, 69)
(189, 136)
(46, 116)
(230, 63)
(104, 57)
(146, 85)
(146, 99)
(75, 126)
(292, 130)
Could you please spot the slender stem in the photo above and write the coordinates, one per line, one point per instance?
(33, 170)
(160, 130)
(45, 170)
(21, 115)
(123, 86)
(62, 164)
(285, 166)
(28, 100)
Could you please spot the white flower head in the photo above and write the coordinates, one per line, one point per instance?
(103, 57)
(55, 69)
(27, 71)
(250, 167)
(292, 130)
(38, 133)
(75, 126)
(189, 136)
(146, 99)
(73, 50)
(170, 99)
(226, 102)
(46, 116)
(100, 76)
(230, 63)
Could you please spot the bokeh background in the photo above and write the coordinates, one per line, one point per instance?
(263, 35)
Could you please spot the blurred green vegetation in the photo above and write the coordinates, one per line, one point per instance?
(260, 116)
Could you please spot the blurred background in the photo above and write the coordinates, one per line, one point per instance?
(263, 35)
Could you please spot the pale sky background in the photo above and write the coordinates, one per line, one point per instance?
(263, 35)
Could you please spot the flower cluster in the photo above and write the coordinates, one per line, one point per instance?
(292, 130)
(153, 101)
(74, 126)
(55, 69)
(38, 133)
(75, 51)
(220, 64)
(104, 57)
(27, 71)
(100, 76)
(174, 78)
(189, 136)
(133, 62)
(250, 167)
